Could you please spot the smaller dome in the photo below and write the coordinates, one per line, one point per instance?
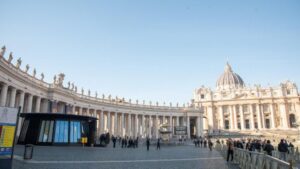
(229, 79)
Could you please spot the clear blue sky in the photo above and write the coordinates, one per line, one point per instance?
(159, 50)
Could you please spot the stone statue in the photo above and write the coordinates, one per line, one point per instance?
(75, 89)
(177, 104)
(129, 101)
(69, 84)
(27, 68)
(54, 79)
(10, 58)
(103, 96)
(60, 80)
(164, 103)
(156, 103)
(183, 105)
(72, 86)
(117, 98)
(3, 49)
(143, 102)
(123, 99)
(109, 97)
(89, 92)
(82, 91)
(137, 101)
(170, 104)
(34, 72)
(96, 94)
(42, 77)
(19, 62)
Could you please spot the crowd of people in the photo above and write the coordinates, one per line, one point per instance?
(258, 145)
(203, 142)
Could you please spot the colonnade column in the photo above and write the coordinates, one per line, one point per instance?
(272, 116)
(150, 126)
(38, 104)
(251, 117)
(108, 123)
(156, 127)
(3, 94)
(129, 125)
(258, 116)
(234, 117)
(262, 116)
(172, 126)
(136, 123)
(123, 124)
(116, 124)
(283, 118)
(80, 113)
(188, 127)
(13, 97)
(143, 125)
(198, 125)
(177, 120)
(21, 104)
(242, 117)
(29, 103)
(101, 120)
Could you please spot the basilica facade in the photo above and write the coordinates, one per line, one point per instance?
(233, 106)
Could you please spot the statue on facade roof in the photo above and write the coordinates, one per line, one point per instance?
(82, 91)
(10, 58)
(54, 79)
(75, 89)
(96, 94)
(156, 103)
(129, 101)
(109, 97)
(34, 72)
(177, 104)
(164, 103)
(42, 76)
(89, 92)
(60, 80)
(69, 84)
(170, 104)
(143, 102)
(72, 86)
(19, 62)
(103, 96)
(27, 68)
(3, 49)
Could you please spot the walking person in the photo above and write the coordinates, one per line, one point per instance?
(210, 144)
(114, 139)
(230, 150)
(158, 144)
(148, 143)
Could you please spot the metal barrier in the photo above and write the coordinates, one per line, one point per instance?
(254, 160)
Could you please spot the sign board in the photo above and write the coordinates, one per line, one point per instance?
(180, 130)
(8, 119)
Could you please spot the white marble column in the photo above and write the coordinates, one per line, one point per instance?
(150, 127)
(136, 123)
(74, 110)
(235, 123)
(108, 122)
(80, 113)
(156, 127)
(252, 126)
(116, 124)
(38, 104)
(177, 120)
(221, 115)
(143, 126)
(258, 116)
(210, 118)
(3, 95)
(13, 97)
(263, 117)
(172, 126)
(129, 126)
(21, 104)
(231, 119)
(242, 120)
(198, 122)
(123, 124)
(29, 104)
(101, 120)
(283, 117)
(188, 127)
(272, 117)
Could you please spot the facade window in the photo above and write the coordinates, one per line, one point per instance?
(256, 125)
(267, 123)
(288, 92)
(247, 124)
(239, 125)
(292, 120)
(46, 131)
(202, 96)
(227, 124)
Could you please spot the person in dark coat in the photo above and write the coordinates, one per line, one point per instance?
(205, 143)
(201, 142)
(114, 139)
(148, 143)
(158, 144)
(210, 144)
(230, 150)
(283, 149)
(268, 148)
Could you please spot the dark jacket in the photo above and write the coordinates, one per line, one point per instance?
(269, 148)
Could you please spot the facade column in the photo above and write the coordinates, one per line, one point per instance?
(252, 127)
(231, 119)
(242, 120)
(38, 104)
(221, 115)
(123, 125)
(101, 120)
(172, 126)
(188, 127)
(156, 127)
(150, 127)
(116, 124)
(80, 113)
(177, 120)
(263, 117)
(283, 117)
(29, 104)
(210, 119)
(74, 110)
(143, 125)
(21, 104)
(108, 122)
(272, 118)
(258, 116)
(164, 119)
(136, 123)
(3, 95)
(129, 125)
(13, 97)
(235, 122)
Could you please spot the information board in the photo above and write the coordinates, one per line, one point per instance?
(180, 130)
(8, 119)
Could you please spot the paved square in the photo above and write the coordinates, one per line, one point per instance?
(169, 157)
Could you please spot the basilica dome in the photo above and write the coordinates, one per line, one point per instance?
(229, 79)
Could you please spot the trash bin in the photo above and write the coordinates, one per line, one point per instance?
(28, 152)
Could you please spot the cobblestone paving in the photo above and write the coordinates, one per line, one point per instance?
(169, 157)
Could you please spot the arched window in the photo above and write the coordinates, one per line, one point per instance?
(292, 121)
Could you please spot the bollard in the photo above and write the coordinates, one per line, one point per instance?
(28, 152)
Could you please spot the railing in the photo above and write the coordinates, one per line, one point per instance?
(254, 160)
